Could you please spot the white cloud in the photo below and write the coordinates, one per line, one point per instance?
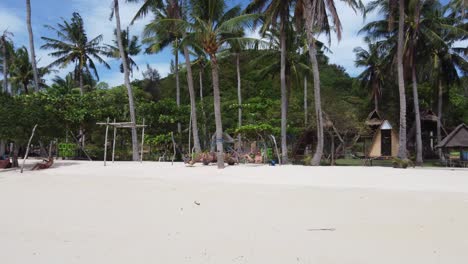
(11, 21)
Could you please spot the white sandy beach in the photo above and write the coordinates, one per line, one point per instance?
(82, 212)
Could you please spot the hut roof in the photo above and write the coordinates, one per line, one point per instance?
(226, 138)
(429, 115)
(373, 119)
(457, 139)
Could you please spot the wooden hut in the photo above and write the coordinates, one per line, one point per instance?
(458, 139)
(385, 142)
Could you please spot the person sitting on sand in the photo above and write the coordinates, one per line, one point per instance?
(45, 164)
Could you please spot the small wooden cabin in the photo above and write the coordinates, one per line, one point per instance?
(385, 141)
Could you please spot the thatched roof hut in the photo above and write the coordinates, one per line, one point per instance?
(457, 139)
(373, 119)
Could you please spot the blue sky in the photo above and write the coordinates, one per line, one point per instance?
(96, 17)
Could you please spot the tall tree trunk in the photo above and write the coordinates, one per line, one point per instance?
(439, 115)
(5, 64)
(127, 82)
(80, 72)
(81, 132)
(316, 74)
(306, 106)
(25, 87)
(417, 117)
(2, 147)
(200, 75)
(217, 111)
(239, 100)
(402, 153)
(193, 103)
(31, 45)
(284, 94)
(376, 102)
(179, 127)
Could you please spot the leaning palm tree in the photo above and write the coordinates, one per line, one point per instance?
(316, 17)
(73, 46)
(212, 28)
(126, 69)
(31, 44)
(131, 47)
(274, 11)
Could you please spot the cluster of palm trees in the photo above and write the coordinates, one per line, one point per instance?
(209, 27)
(422, 38)
(424, 44)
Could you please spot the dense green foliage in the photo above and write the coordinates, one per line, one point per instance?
(60, 110)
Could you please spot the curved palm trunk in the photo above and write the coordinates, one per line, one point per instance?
(417, 117)
(217, 111)
(31, 44)
(402, 153)
(316, 74)
(193, 104)
(179, 127)
(239, 99)
(127, 82)
(284, 95)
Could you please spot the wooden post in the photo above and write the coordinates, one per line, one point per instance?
(142, 139)
(113, 142)
(27, 148)
(105, 142)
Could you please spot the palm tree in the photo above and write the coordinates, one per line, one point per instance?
(274, 10)
(31, 45)
(316, 17)
(213, 26)
(21, 72)
(162, 31)
(373, 59)
(126, 64)
(72, 46)
(424, 22)
(5, 57)
(131, 46)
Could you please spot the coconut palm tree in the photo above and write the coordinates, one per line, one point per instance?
(31, 45)
(125, 63)
(162, 31)
(373, 59)
(316, 18)
(6, 53)
(131, 46)
(212, 28)
(274, 11)
(21, 72)
(73, 46)
(426, 29)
